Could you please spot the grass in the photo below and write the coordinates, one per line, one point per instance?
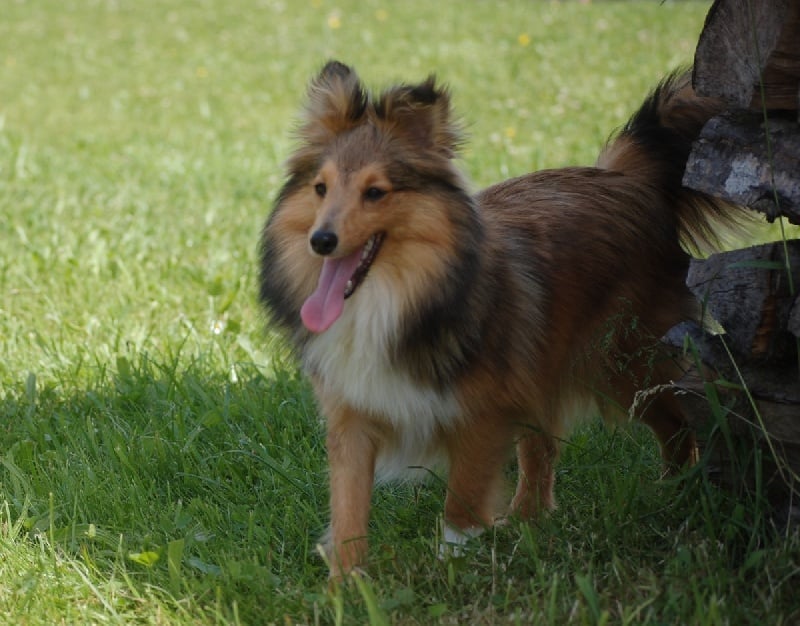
(161, 459)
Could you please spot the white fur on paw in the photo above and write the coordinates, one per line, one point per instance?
(455, 539)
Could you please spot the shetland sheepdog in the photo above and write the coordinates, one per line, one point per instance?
(442, 326)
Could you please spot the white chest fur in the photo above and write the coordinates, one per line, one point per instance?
(352, 360)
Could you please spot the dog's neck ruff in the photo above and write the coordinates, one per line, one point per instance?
(353, 361)
(338, 280)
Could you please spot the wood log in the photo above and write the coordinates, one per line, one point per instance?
(794, 318)
(749, 50)
(746, 417)
(741, 158)
(748, 292)
(774, 391)
(780, 80)
(769, 384)
(741, 392)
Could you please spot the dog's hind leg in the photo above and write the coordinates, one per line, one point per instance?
(640, 392)
(537, 453)
(676, 438)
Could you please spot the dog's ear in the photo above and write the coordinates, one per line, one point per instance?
(422, 115)
(336, 102)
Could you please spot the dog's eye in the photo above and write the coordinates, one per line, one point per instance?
(321, 189)
(374, 193)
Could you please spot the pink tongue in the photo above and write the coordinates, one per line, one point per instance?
(326, 304)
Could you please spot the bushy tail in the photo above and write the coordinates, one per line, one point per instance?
(654, 147)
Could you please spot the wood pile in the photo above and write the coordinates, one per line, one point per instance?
(743, 393)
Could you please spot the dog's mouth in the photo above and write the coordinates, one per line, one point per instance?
(338, 280)
(367, 256)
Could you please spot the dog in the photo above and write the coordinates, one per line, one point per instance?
(438, 326)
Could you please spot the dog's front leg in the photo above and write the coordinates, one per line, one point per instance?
(477, 457)
(351, 453)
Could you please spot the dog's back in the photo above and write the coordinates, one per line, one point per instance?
(600, 276)
(599, 268)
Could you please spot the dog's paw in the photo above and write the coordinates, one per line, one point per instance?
(326, 539)
(455, 540)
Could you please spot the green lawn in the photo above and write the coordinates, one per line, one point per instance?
(161, 459)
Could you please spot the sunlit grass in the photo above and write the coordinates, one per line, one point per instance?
(140, 145)
(161, 459)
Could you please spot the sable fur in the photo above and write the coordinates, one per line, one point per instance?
(486, 321)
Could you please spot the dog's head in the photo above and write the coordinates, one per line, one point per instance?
(371, 174)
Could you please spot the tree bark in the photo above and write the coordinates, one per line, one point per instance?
(748, 50)
(749, 293)
(741, 159)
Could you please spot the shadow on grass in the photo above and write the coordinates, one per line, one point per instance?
(202, 489)
(203, 484)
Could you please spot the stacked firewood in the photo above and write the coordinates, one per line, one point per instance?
(747, 374)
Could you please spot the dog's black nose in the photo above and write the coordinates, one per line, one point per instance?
(323, 242)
